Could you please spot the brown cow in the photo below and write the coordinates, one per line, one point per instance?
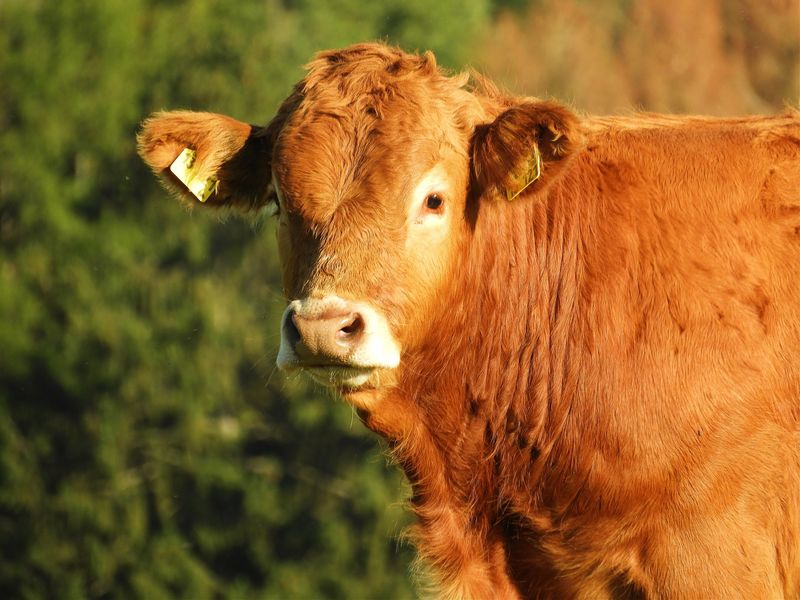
(594, 389)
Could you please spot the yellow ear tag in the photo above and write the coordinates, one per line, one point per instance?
(182, 168)
(532, 172)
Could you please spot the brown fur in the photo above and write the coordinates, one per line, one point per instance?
(599, 392)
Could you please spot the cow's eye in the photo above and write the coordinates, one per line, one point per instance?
(434, 202)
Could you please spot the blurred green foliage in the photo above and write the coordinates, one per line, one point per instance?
(147, 448)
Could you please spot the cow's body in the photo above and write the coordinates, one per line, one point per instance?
(629, 420)
(599, 393)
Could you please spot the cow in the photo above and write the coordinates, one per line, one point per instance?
(580, 335)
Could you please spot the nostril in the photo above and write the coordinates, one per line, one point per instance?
(351, 327)
(323, 338)
(290, 328)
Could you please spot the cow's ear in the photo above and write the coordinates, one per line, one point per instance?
(524, 148)
(208, 158)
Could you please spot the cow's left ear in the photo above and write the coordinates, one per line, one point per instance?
(208, 158)
(524, 148)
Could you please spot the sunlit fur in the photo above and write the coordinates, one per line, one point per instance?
(599, 388)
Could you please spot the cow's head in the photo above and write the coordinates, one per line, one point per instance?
(376, 167)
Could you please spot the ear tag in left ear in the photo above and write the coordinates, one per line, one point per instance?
(183, 168)
(531, 172)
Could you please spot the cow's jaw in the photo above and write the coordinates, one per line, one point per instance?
(322, 348)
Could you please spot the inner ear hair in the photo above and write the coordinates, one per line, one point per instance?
(504, 152)
(245, 178)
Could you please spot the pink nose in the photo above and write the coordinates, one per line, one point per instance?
(329, 338)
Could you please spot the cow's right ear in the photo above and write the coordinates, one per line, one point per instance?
(524, 148)
(208, 158)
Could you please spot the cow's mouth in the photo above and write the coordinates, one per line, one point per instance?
(343, 378)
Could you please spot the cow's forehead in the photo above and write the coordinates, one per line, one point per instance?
(323, 161)
(363, 125)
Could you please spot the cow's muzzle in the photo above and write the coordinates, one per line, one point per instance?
(339, 342)
(324, 340)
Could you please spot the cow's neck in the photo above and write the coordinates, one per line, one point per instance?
(477, 412)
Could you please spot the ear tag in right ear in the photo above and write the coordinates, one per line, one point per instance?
(183, 168)
(532, 171)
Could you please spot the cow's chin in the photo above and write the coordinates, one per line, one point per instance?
(357, 385)
(341, 378)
